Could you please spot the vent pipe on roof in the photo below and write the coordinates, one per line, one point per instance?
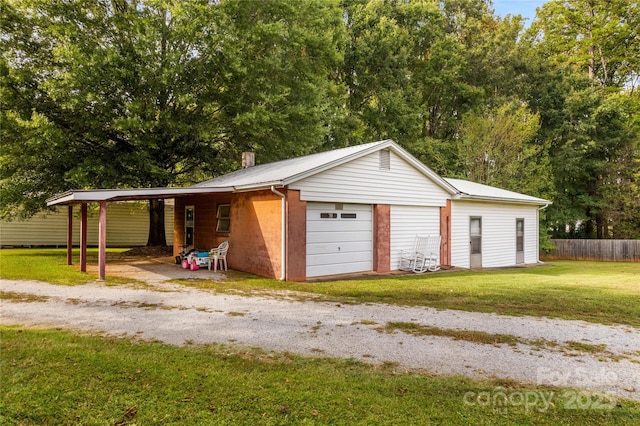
(248, 159)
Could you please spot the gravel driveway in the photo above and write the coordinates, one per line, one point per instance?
(180, 315)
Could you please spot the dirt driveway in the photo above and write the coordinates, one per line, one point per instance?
(545, 353)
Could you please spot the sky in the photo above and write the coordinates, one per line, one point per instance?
(526, 8)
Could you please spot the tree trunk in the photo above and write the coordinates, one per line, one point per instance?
(601, 227)
(157, 235)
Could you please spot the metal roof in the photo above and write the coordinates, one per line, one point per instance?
(477, 191)
(92, 195)
(282, 173)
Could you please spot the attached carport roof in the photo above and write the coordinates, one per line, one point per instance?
(76, 196)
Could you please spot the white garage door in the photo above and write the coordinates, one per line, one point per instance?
(406, 223)
(339, 238)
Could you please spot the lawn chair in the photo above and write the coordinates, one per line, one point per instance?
(423, 257)
(219, 254)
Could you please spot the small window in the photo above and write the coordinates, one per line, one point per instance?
(223, 218)
(328, 215)
(348, 215)
(385, 160)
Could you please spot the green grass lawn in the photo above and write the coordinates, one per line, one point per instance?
(50, 265)
(57, 377)
(602, 292)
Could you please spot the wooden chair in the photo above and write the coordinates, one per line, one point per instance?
(219, 254)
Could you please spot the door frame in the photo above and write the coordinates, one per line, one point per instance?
(520, 240)
(189, 225)
(475, 258)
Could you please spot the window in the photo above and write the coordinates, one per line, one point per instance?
(223, 218)
(328, 215)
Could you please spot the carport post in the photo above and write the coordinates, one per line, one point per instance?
(83, 237)
(102, 241)
(70, 234)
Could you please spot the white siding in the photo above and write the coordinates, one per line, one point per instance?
(406, 223)
(362, 181)
(498, 232)
(127, 225)
(339, 245)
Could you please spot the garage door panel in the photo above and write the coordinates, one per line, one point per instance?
(337, 226)
(313, 238)
(349, 247)
(341, 241)
(335, 269)
(342, 215)
(339, 258)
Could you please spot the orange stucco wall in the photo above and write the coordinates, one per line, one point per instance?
(296, 237)
(382, 238)
(255, 238)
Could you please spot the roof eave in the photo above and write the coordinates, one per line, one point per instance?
(86, 196)
(426, 170)
(468, 197)
(258, 186)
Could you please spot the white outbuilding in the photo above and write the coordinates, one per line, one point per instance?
(350, 210)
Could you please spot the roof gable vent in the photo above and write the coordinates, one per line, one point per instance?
(385, 159)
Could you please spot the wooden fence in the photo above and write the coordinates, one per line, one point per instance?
(612, 250)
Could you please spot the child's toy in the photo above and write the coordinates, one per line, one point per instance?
(196, 259)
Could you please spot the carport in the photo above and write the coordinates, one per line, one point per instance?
(103, 196)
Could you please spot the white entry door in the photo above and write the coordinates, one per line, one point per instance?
(339, 238)
(475, 242)
(519, 240)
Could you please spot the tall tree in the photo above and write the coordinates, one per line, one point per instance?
(497, 148)
(590, 51)
(143, 93)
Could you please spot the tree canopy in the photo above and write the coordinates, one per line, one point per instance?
(144, 93)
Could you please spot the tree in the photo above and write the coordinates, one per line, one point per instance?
(146, 93)
(583, 93)
(497, 147)
(598, 37)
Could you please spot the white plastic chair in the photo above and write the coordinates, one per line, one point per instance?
(219, 254)
(423, 257)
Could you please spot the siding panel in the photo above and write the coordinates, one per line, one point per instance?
(362, 181)
(498, 233)
(127, 225)
(406, 223)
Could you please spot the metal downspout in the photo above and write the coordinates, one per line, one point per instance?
(283, 253)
